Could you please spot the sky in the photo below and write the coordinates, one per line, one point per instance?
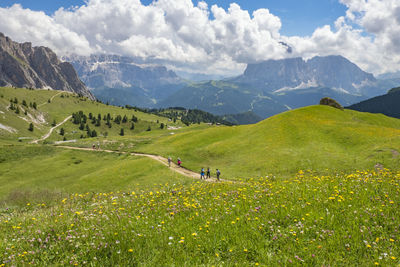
(214, 37)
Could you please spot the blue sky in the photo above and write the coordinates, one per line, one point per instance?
(182, 37)
(299, 17)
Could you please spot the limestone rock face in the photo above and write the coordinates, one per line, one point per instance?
(22, 65)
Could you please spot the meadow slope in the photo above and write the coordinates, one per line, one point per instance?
(317, 137)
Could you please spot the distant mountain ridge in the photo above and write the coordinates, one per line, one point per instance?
(22, 65)
(334, 72)
(121, 81)
(273, 86)
(388, 104)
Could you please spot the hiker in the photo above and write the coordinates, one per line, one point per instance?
(208, 173)
(179, 162)
(218, 174)
(94, 146)
(202, 174)
(169, 161)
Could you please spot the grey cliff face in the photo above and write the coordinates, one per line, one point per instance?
(111, 73)
(331, 71)
(22, 65)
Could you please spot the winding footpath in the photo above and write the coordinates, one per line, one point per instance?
(51, 99)
(44, 137)
(174, 167)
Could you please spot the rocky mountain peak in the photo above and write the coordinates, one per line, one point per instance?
(22, 65)
(331, 71)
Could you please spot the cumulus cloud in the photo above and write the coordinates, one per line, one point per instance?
(205, 38)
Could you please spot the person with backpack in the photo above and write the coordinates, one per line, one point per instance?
(208, 173)
(202, 174)
(179, 162)
(218, 174)
(169, 161)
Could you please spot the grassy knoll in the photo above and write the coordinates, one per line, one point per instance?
(55, 106)
(316, 138)
(29, 172)
(335, 220)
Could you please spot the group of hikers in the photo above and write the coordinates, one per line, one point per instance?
(202, 172)
(208, 174)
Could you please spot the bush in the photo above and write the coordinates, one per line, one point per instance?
(330, 102)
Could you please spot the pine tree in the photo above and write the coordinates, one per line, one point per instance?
(94, 133)
(62, 131)
(34, 105)
(121, 133)
(81, 126)
(24, 103)
(162, 126)
(132, 126)
(30, 127)
(148, 129)
(125, 119)
(17, 110)
(54, 123)
(15, 100)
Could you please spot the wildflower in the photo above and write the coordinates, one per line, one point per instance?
(194, 234)
(130, 250)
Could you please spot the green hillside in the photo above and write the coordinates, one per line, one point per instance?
(43, 173)
(55, 106)
(315, 137)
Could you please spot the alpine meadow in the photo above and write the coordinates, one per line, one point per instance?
(196, 133)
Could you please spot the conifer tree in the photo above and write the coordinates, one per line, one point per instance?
(30, 127)
(121, 133)
(62, 131)
(132, 126)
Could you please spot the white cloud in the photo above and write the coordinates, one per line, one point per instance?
(208, 39)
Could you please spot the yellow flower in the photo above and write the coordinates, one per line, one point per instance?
(393, 258)
(130, 250)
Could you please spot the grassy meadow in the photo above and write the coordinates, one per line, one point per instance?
(337, 220)
(315, 186)
(319, 138)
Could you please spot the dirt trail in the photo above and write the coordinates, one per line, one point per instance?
(174, 167)
(44, 137)
(51, 99)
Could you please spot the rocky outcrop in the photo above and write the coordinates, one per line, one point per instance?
(22, 65)
(332, 71)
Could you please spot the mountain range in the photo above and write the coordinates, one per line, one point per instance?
(264, 89)
(120, 81)
(273, 86)
(22, 65)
